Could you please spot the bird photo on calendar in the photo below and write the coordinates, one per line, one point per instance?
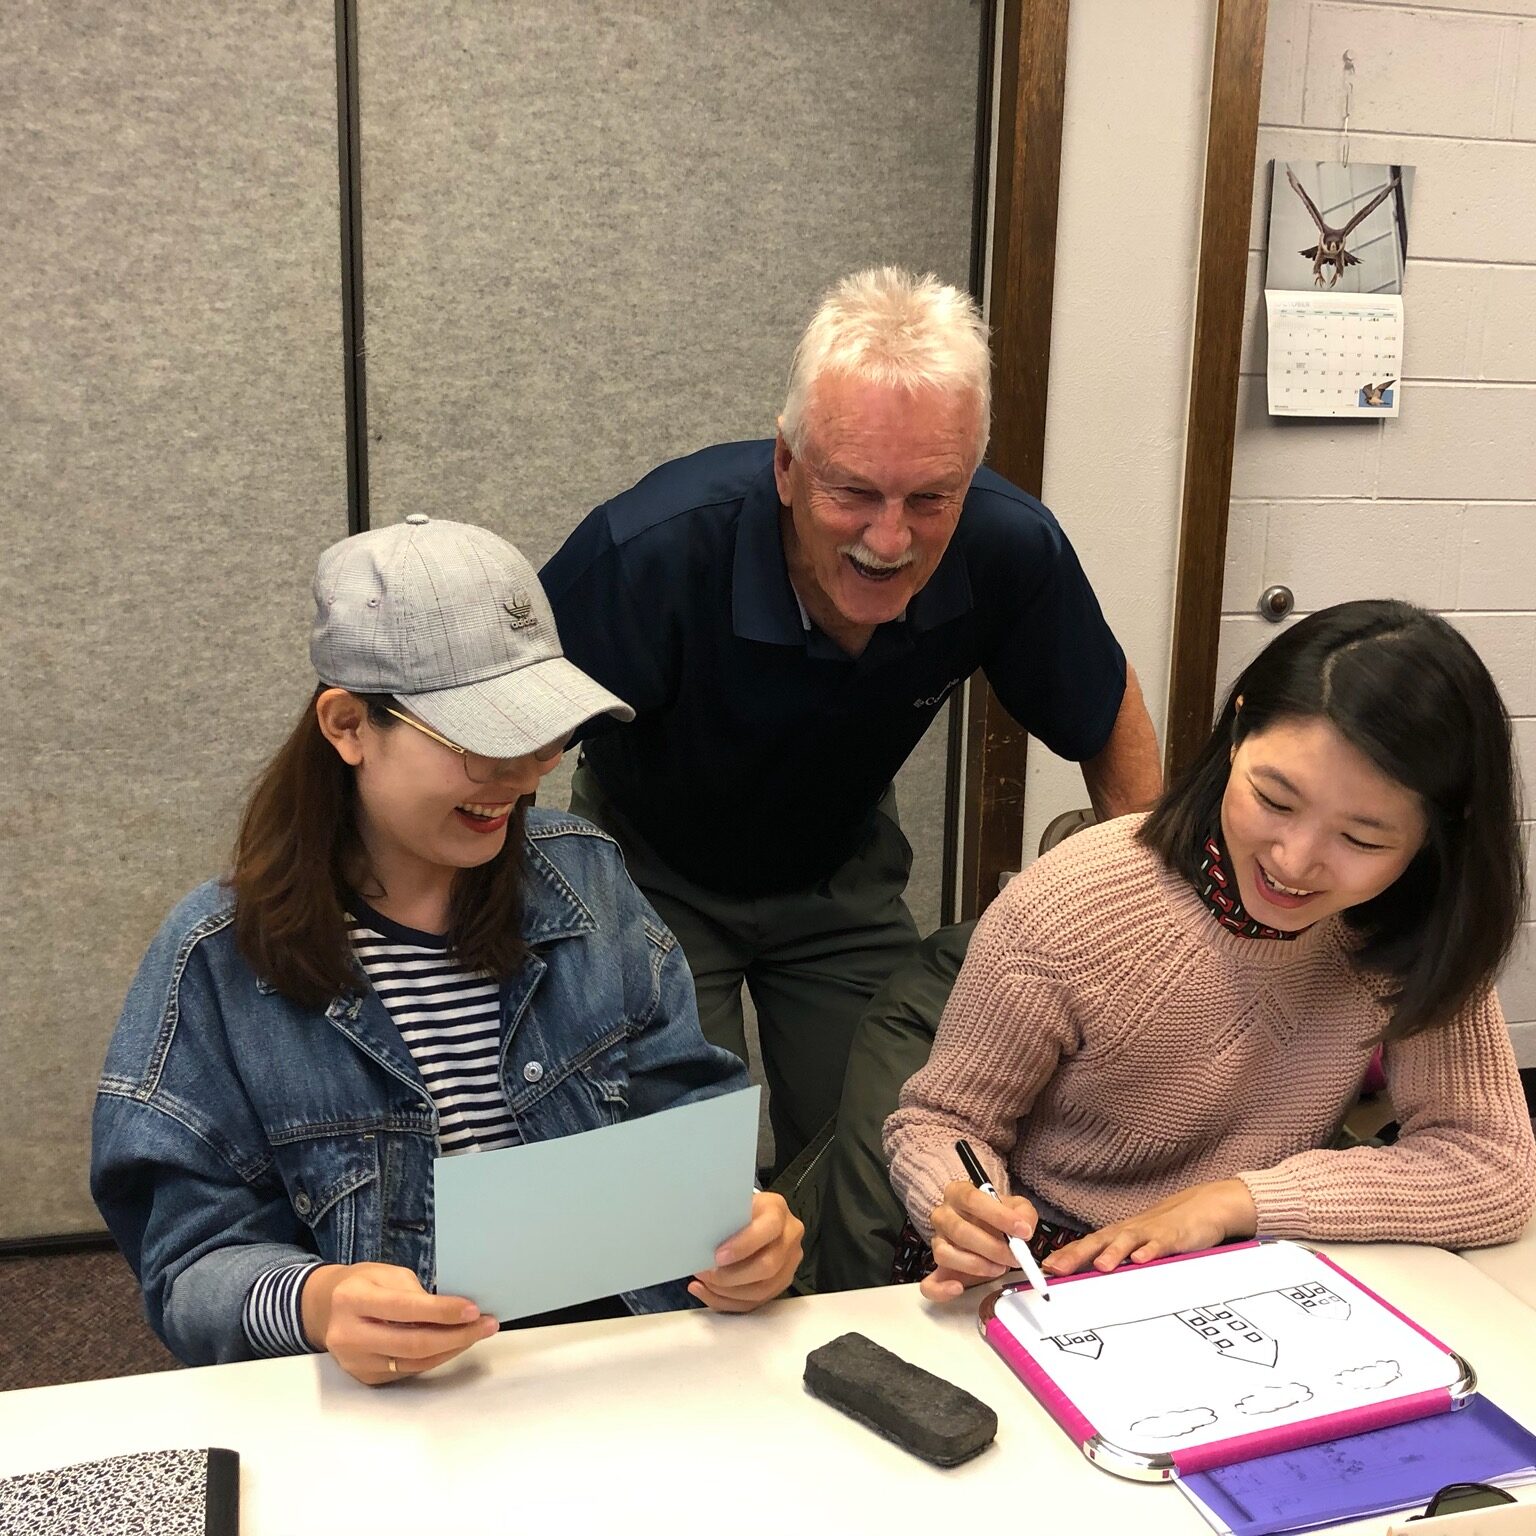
(1337, 228)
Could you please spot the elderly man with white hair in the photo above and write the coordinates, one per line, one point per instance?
(786, 617)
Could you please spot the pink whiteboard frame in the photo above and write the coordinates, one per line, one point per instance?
(1216, 1453)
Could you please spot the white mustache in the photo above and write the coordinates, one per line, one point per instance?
(867, 557)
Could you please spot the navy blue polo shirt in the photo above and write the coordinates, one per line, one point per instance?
(759, 749)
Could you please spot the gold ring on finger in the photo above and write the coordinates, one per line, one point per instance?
(393, 1364)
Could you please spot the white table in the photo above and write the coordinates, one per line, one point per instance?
(683, 1423)
(1513, 1265)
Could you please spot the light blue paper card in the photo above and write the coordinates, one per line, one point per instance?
(527, 1229)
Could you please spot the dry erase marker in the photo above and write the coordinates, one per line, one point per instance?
(1016, 1245)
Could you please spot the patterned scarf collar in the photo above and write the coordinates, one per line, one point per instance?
(1217, 888)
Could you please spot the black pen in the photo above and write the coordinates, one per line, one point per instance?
(1016, 1245)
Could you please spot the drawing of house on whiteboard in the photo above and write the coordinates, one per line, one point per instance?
(1222, 1326)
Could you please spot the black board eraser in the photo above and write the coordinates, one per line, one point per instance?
(920, 1412)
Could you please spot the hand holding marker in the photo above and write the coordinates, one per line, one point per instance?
(1016, 1245)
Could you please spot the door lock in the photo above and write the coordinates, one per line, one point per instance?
(1276, 603)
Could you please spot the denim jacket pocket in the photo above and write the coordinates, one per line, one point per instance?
(589, 1089)
(325, 1177)
(604, 1075)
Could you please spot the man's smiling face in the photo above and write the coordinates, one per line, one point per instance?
(874, 499)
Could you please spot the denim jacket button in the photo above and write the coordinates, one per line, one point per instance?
(301, 1203)
(533, 1072)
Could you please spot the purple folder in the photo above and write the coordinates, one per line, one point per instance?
(1375, 1473)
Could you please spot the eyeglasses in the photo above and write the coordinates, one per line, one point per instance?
(1457, 1498)
(481, 769)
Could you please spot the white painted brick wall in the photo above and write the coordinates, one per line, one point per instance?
(1469, 322)
(1469, 194)
(1499, 7)
(1438, 506)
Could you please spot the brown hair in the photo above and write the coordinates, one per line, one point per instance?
(297, 839)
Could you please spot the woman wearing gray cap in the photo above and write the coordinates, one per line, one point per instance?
(401, 962)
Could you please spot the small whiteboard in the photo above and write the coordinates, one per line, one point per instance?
(1200, 1361)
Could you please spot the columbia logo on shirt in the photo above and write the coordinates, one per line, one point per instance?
(939, 697)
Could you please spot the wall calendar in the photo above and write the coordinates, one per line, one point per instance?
(1338, 242)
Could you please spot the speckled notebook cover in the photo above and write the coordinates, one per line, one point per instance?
(148, 1493)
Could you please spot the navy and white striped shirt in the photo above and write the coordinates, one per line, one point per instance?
(450, 1020)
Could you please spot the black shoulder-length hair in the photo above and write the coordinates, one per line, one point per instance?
(297, 842)
(1403, 687)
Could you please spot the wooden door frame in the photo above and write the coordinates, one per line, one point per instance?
(1237, 69)
(988, 751)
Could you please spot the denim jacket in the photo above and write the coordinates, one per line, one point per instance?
(235, 1131)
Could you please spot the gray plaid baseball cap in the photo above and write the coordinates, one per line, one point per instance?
(452, 621)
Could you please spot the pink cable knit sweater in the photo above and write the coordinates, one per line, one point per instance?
(1111, 1045)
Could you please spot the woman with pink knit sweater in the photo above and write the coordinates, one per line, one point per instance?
(1159, 1026)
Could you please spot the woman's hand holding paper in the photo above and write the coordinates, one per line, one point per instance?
(1199, 1217)
(367, 1315)
(757, 1263)
(970, 1231)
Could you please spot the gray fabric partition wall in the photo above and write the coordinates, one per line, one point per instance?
(171, 462)
(592, 234)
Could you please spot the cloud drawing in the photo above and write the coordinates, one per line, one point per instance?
(1175, 1423)
(1379, 1373)
(1273, 1399)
